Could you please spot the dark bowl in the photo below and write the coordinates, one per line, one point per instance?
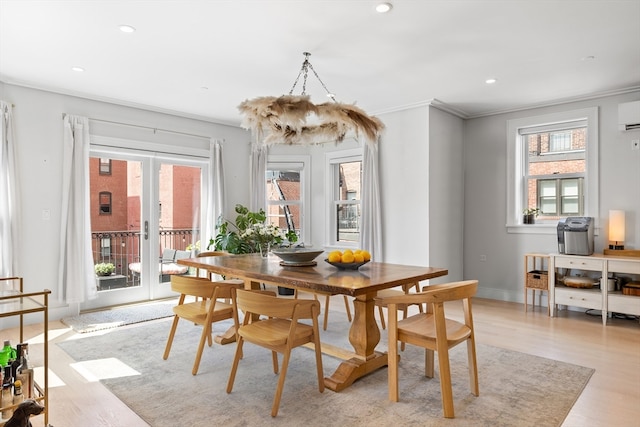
(347, 265)
(296, 255)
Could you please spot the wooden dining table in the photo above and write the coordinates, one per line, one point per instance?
(362, 284)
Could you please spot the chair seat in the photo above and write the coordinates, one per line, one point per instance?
(422, 328)
(197, 311)
(275, 332)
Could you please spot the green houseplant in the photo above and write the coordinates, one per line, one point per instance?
(105, 269)
(249, 233)
(529, 215)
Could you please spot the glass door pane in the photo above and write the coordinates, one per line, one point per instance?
(179, 201)
(145, 215)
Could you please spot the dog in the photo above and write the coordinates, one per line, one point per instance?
(22, 413)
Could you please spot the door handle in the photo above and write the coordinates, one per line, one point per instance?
(146, 230)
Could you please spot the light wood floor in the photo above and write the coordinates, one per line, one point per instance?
(611, 398)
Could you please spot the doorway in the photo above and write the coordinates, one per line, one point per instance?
(145, 215)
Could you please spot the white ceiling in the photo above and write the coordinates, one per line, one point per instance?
(202, 58)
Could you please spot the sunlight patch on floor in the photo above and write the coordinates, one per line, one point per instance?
(54, 380)
(101, 369)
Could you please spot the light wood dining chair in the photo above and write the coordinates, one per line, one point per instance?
(204, 312)
(385, 293)
(280, 332)
(327, 298)
(434, 332)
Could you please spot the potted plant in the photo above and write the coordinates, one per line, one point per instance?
(249, 233)
(105, 269)
(529, 215)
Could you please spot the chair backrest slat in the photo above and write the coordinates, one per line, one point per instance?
(271, 306)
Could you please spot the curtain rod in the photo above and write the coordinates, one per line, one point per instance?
(146, 127)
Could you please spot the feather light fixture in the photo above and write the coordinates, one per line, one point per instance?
(284, 119)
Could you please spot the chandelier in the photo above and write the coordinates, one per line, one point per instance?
(294, 119)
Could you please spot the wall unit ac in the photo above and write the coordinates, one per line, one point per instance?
(629, 116)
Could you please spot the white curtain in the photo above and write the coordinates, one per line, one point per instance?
(371, 227)
(9, 198)
(215, 198)
(258, 169)
(77, 280)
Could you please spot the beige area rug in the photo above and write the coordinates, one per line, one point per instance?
(516, 389)
(120, 316)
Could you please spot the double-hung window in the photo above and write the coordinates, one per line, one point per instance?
(287, 194)
(553, 166)
(344, 183)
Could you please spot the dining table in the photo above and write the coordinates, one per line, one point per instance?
(362, 284)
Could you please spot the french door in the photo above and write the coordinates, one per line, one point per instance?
(145, 215)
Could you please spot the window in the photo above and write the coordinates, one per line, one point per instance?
(555, 160)
(345, 186)
(287, 192)
(105, 202)
(105, 166)
(561, 197)
(553, 166)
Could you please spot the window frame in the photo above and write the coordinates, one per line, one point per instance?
(332, 161)
(516, 168)
(303, 164)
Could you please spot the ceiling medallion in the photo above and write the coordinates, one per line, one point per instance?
(284, 119)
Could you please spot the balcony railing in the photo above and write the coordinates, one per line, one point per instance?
(122, 248)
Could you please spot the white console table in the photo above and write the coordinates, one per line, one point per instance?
(597, 299)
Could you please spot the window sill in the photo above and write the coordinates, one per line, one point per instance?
(538, 229)
(532, 228)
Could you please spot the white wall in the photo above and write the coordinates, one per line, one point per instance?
(501, 275)
(434, 167)
(39, 133)
(446, 194)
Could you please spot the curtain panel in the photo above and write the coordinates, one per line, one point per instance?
(76, 280)
(10, 218)
(216, 196)
(371, 231)
(258, 170)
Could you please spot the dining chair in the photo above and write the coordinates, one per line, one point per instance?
(204, 311)
(384, 293)
(279, 332)
(434, 332)
(326, 304)
(212, 276)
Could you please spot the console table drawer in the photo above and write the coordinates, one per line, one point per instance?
(616, 266)
(578, 298)
(579, 263)
(627, 304)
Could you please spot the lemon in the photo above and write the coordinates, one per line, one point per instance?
(347, 257)
(366, 255)
(335, 256)
(357, 257)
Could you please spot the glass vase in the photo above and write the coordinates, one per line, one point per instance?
(264, 249)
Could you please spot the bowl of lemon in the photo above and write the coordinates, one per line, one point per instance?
(348, 259)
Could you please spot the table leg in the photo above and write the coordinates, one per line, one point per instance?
(364, 336)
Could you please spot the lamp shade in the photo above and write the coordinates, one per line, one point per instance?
(616, 226)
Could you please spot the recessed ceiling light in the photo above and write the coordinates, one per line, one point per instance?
(78, 69)
(490, 81)
(384, 7)
(127, 28)
(589, 58)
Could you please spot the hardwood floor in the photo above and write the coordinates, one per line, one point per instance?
(611, 398)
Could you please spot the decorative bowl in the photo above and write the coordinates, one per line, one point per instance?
(297, 256)
(347, 265)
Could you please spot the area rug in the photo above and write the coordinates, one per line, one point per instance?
(516, 389)
(120, 316)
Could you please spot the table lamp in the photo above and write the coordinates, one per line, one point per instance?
(616, 229)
